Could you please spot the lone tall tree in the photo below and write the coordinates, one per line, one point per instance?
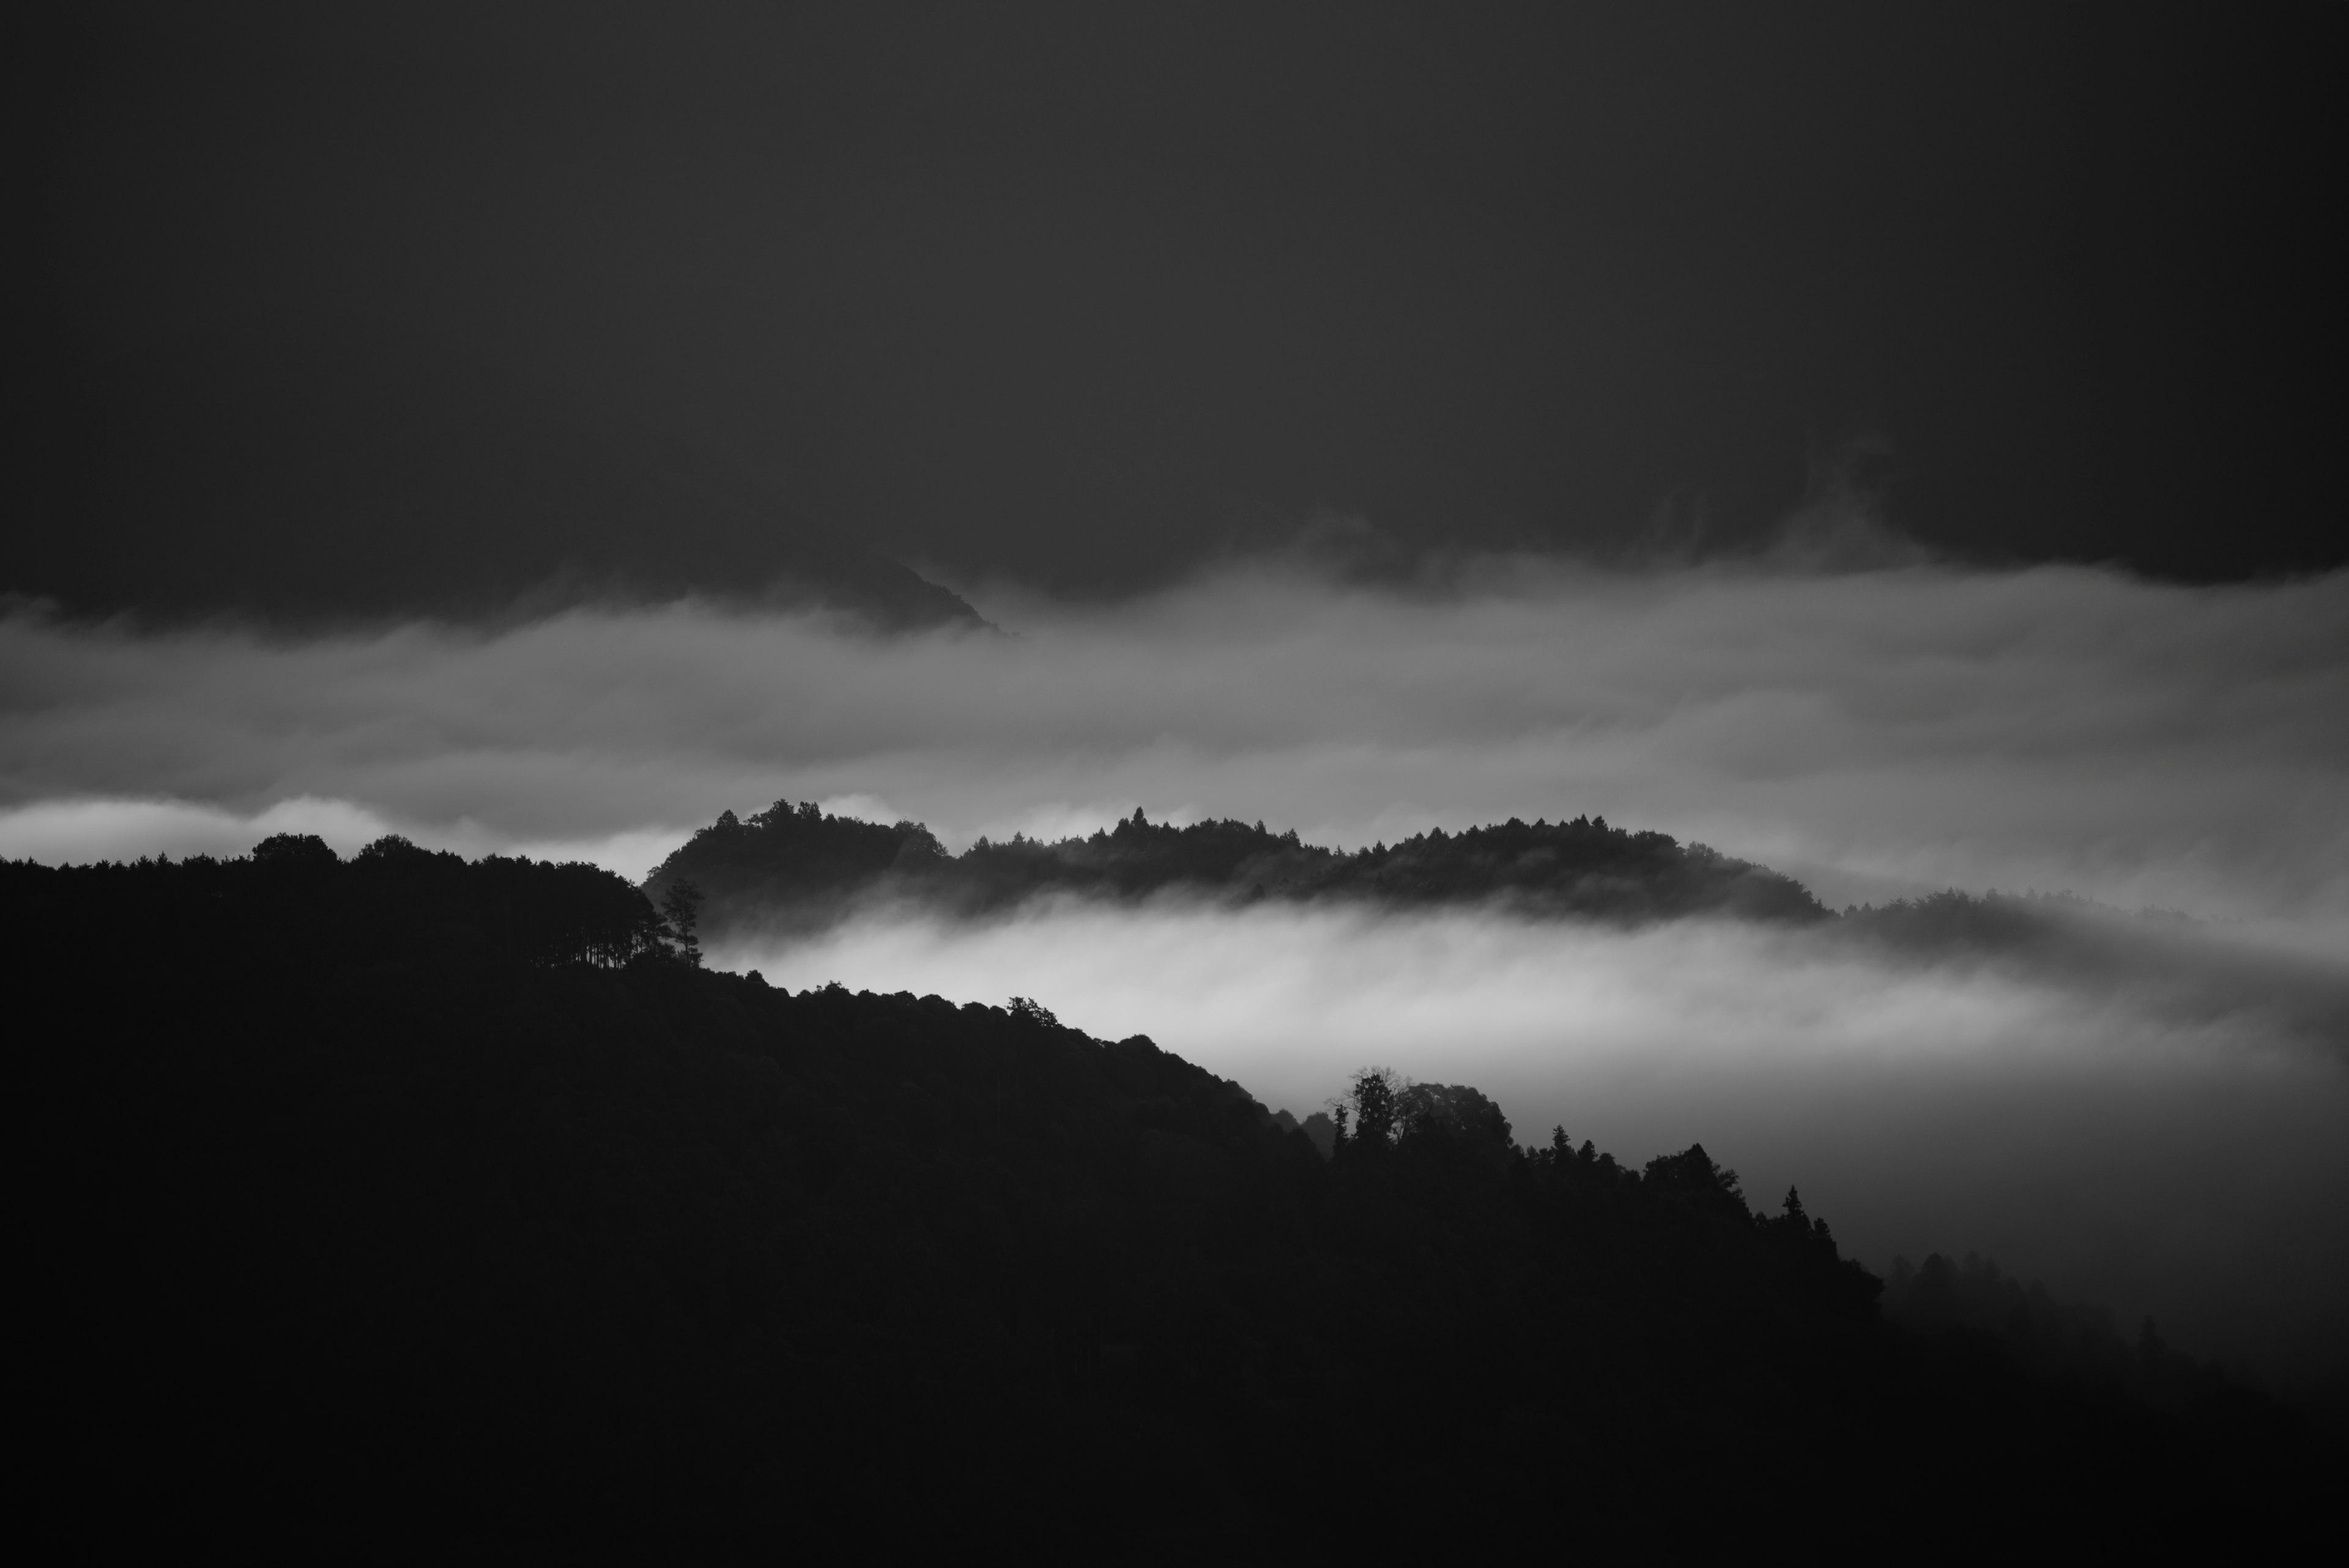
(681, 910)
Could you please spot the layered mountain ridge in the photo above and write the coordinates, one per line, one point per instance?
(799, 868)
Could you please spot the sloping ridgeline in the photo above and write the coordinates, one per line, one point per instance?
(796, 866)
(404, 1204)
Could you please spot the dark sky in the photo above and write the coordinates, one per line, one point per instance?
(1079, 293)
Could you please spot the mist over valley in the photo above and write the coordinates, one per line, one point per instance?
(1202, 784)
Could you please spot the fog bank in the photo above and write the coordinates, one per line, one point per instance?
(1872, 732)
(2187, 1162)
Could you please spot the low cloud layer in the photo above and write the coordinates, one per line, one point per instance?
(1873, 732)
(2182, 1160)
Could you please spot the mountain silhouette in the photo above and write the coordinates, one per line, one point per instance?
(409, 1206)
(797, 867)
(348, 470)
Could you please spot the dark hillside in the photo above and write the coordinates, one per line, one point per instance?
(405, 1205)
(795, 867)
(2055, 1339)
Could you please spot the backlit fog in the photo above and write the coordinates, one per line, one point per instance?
(2170, 1149)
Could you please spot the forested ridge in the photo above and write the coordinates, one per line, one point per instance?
(405, 1202)
(796, 866)
(795, 869)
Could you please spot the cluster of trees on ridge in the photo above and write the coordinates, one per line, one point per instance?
(796, 866)
(403, 1202)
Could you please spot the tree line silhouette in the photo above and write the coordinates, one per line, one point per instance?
(798, 865)
(393, 902)
(407, 1203)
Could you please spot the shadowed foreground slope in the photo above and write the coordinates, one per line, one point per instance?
(403, 1202)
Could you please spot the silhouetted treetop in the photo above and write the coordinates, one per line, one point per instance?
(288, 850)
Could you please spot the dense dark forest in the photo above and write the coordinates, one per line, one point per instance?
(794, 866)
(2051, 1338)
(402, 1203)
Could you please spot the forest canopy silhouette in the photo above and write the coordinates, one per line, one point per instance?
(437, 1202)
(797, 865)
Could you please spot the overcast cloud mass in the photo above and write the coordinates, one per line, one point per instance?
(2161, 1129)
